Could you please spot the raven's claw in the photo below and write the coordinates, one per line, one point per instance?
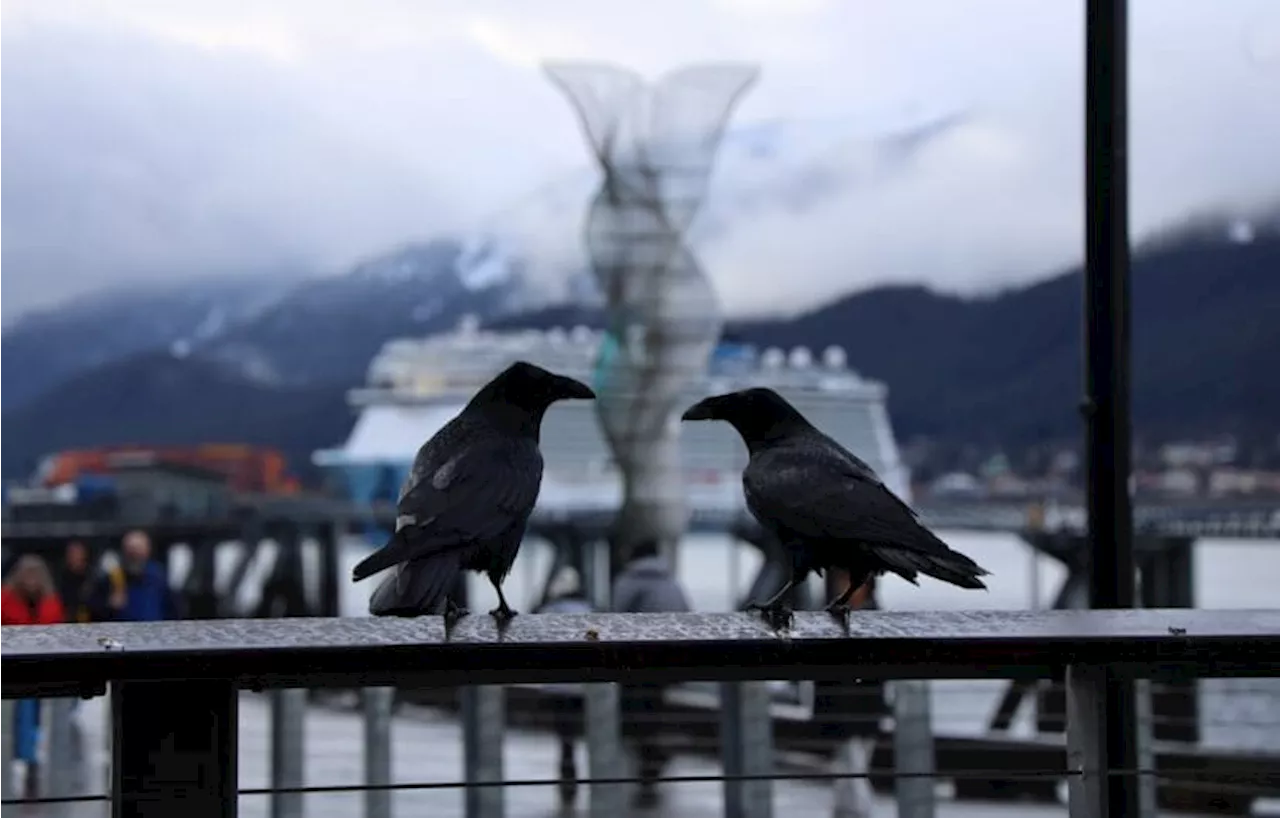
(778, 616)
(503, 613)
(840, 611)
(453, 612)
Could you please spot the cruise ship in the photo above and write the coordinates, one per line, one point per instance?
(415, 386)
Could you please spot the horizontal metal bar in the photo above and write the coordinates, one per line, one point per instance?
(298, 652)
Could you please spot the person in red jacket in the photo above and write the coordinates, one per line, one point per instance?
(29, 598)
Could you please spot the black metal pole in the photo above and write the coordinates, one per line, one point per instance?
(1112, 575)
(1106, 284)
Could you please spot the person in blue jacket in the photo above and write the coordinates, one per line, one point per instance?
(137, 590)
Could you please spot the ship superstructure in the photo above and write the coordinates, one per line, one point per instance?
(415, 386)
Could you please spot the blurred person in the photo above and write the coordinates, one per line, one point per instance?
(75, 587)
(75, 582)
(136, 590)
(566, 595)
(29, 598)
(646, 584)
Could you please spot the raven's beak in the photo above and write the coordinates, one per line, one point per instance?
(702, 410)
(571, 389)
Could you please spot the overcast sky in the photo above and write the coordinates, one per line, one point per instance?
(153, 139)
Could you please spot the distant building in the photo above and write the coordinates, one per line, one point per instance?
(1180, 482)
(1183, 454)
(1228, 481)
(957, 484)
(1065, 462)
(1008, 486)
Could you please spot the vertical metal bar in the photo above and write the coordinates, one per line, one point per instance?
(746, 745)
(1086, 742)
(108, 735)
(1033, 570)
(288, 748)
(913, 749)
(198, 587)
(377, 750)
(1146, 784)
(174, 749)
(1107, 335)
(7, 782)
(63, 770)
(597, 573)
(1107, 307)
(604, 749)
(1090, 787)
(330, 537)
(483, 719)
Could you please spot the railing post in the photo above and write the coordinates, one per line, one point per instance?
(62, 771)
(483, 720)
(746, 745)
(377, 750)
(108, 738)
(288, 747)
(1146, 753)
(1086, 742)
(913, 749)
(7, 788)
(174, 749)
(1087, 757)
(604, 749)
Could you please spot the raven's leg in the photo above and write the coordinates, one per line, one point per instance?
(503, 612)
(839, 606)
(453, 612)
(774, 601)
(775, 609)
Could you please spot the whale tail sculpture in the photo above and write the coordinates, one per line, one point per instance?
(655, 146)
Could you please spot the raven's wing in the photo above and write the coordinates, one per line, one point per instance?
(821, 491)
(474, 496)
(818, 491)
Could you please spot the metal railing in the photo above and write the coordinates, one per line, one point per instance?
(176, 691)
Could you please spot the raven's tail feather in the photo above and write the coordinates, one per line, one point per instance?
(417, 587)
(395, 551)
(944, 564)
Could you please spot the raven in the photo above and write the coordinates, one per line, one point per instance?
(467, 500)
(826, 506)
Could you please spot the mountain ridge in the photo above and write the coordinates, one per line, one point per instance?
(1003, 370)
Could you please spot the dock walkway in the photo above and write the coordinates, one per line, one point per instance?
(427, 747)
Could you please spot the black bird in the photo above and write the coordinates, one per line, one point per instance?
(469, 495)
(826, 506)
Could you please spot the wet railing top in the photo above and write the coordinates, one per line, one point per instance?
(255, 654)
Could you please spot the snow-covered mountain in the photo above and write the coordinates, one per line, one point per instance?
(283, 330)
(328, 329)
(43, 348)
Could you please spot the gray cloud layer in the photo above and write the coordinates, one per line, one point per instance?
(151, 140)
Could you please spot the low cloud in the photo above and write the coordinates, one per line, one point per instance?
(151, 141)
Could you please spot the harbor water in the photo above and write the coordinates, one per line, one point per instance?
(717, 570)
